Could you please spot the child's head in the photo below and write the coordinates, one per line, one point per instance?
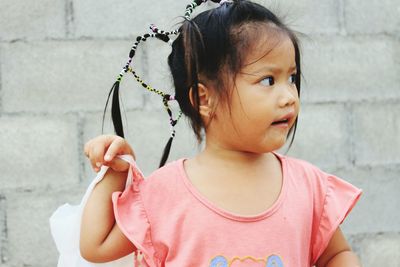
(214, 48)
(220, 61)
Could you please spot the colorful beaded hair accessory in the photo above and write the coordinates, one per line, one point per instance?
(166, 98)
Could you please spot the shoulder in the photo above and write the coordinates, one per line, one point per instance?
(163, 183)
(165, 174)
(307, 176)
(300, 167)
(325, 187)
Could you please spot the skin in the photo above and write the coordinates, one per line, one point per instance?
(238, 146)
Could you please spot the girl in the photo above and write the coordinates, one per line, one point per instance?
(236, 71)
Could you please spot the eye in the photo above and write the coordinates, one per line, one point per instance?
(267, 81)
(293, 78)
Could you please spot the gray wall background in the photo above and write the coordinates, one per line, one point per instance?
(58, 59)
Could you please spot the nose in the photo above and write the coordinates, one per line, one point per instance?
(288, 96)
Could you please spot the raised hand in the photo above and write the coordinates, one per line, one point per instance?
(103, 149)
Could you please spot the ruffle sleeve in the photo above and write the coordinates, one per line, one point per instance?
(130, 215)
(337, 200)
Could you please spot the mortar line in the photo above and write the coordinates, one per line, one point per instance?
(80, 136)
(52, 114)
(69, 18)
(1, 82)
(4, 233)
(380, 35)
(350, 128)
(342, 17)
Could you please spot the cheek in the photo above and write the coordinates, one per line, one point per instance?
(247, 105)
(297, 105)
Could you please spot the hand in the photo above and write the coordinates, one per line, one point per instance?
(102, 150)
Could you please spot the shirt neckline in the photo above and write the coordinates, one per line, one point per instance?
(230, 215)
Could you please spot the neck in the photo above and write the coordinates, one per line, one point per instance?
(217, 154)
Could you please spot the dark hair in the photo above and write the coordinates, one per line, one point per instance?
(211, 44)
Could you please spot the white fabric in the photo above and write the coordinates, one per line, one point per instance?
(65, 228)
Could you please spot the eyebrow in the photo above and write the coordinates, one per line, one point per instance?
(273, 69)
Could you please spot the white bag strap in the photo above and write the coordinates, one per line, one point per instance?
(134, 174)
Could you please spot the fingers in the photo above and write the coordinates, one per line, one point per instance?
(118, 165)
(116, 147)
(94, 153)
(95, 149)
(119, 146)
(96, 157)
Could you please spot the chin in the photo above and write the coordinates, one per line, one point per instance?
(278, 145)
(263, 146)
(268, 149)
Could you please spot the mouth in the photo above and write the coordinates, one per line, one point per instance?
(284, 121)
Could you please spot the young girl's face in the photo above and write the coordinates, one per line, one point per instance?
(264, 93)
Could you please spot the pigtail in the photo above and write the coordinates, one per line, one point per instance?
(193, 48)
(166, 151)
(115, 109)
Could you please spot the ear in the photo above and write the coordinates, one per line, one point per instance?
(205, 100)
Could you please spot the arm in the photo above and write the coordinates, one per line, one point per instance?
(101, 239)
(338, 253)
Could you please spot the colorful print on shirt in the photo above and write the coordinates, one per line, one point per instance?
(248, 261)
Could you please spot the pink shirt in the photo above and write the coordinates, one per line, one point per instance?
(172, 224)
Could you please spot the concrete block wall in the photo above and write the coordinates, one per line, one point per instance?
(58, 59)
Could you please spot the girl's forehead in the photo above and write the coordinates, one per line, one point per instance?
(277, 51)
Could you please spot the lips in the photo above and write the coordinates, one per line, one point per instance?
(284, 119)
(281, 121)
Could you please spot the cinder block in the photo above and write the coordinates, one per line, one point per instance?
(307, 16)
(29, 239)
(376, 133)
(67, 76)
(125, 18)
(147, 132)
(376, 210)
(380, 249)
(94, 19)
(372, 17)
(322, 136)
(346, 69)
(38, 151)
(28, 20)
